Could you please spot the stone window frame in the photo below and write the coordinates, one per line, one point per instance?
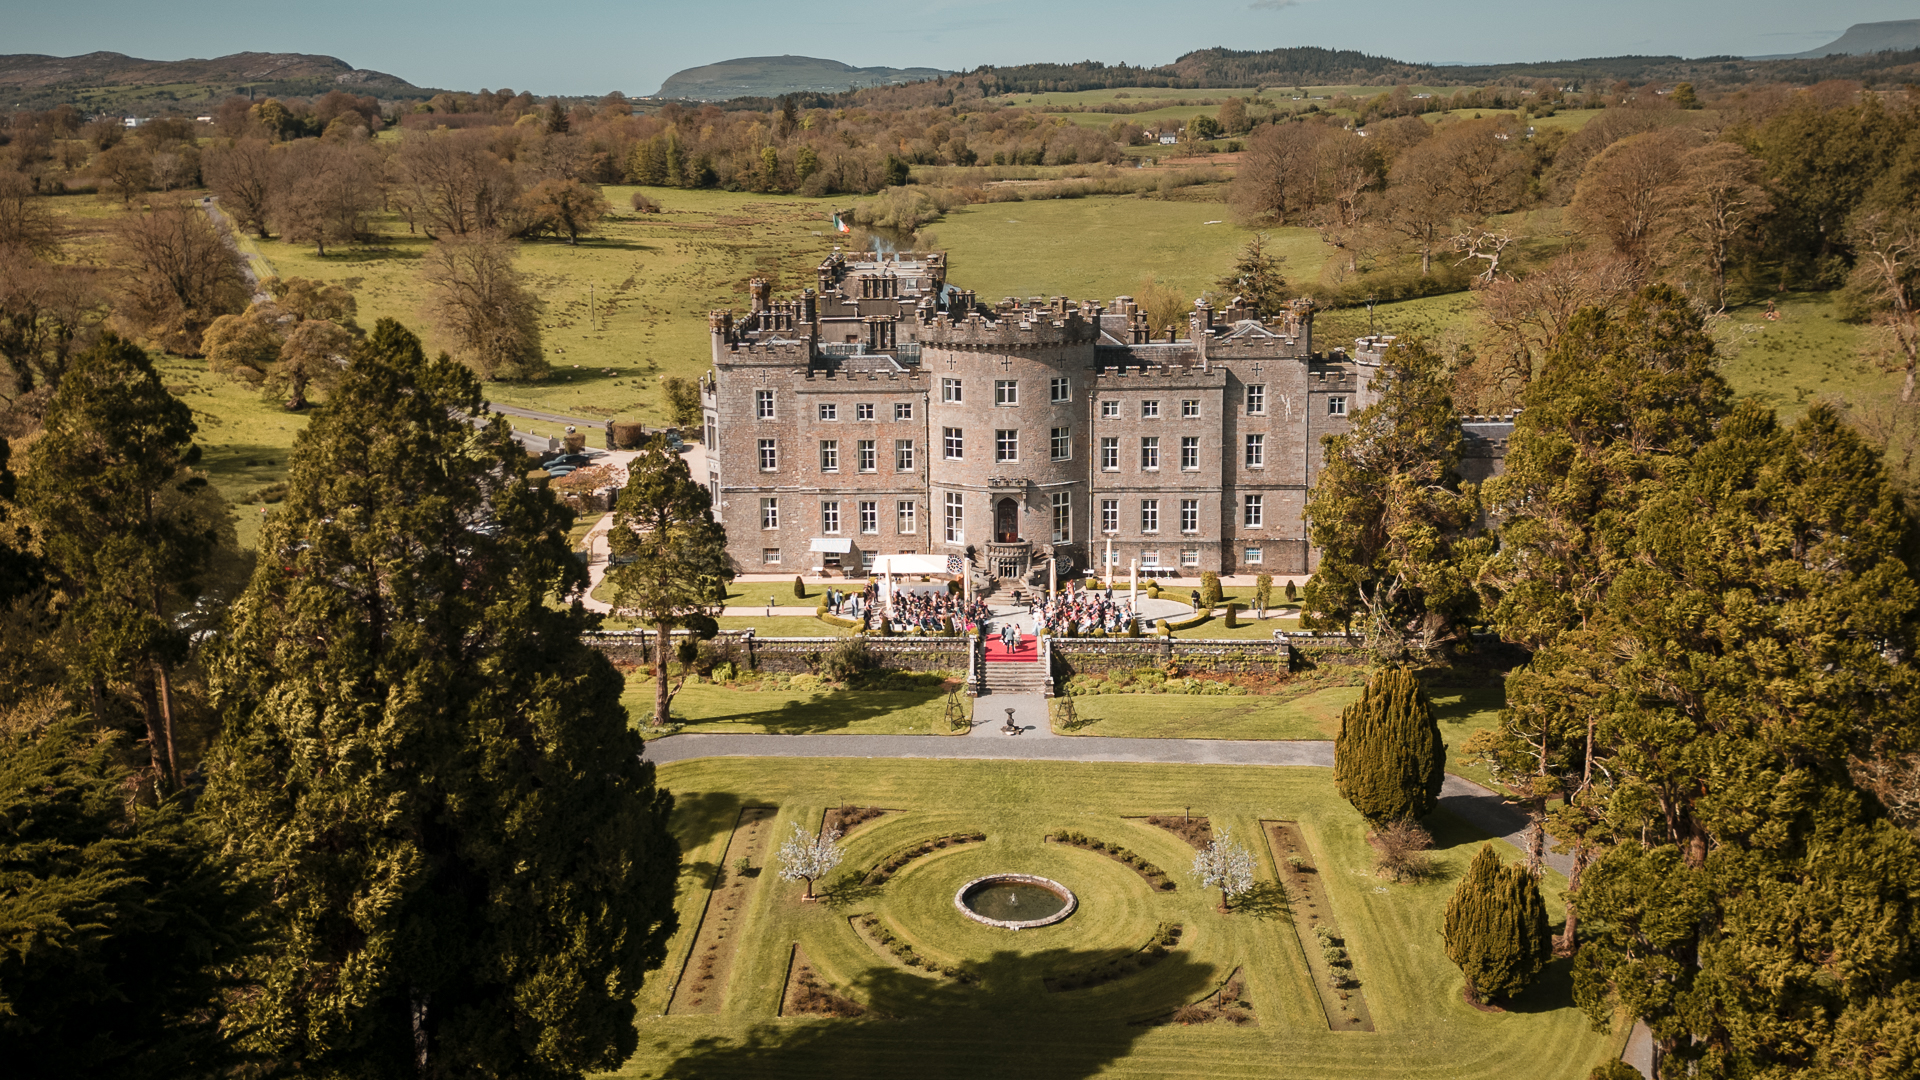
(829, 412)
(1149, 453)
(1189, 516)
(1189, 556)
(1110, 453)
(1006, 446)
(830, 517)
(770, 512)
(769, 455)
(1062, 517)
(1256, 399)
(953, 443)
(1150, 408)
(1150, 516)
(951, 391)
(1150, 559)
(1253, 511)
(1006, 393)
(1336, 406)
(1256, 450)
(1059, 390)
(906, 517)
(954, 518)
(902, 410)
(763, 405)
(1252, 556)
(1109, 409)
(770, 556)
(864, 411)
(1109, 516)
(867, 455)
(1189, 408)
(903, 456)
(1060, 443)
(1189, 453)
(869, 517)
(829, 455)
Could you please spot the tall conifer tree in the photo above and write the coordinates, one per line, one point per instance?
(126, 527)
(468, 861)
(1389, 759)
(1398, 531)
(1496, 928)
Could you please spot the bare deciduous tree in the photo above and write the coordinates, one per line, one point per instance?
(478, 304)
(25, 219)
(46, 312)
(1886, 283)
(242, 173)
(455, 184)
(1279, 177)
(125, 170)
(324, 193)
(181, 273)
(1721, 199)
(1629, 195)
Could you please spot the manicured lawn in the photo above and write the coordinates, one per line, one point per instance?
(1009, 1025)
(809, 711)
(1315, 715)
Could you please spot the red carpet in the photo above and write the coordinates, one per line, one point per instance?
(1028, 652)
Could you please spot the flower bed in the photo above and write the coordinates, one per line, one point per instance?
(899, 859)
(1154, 876)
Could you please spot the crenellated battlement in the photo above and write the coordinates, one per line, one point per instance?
(1022, 327)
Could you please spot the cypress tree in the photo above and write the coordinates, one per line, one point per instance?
(1389, 759)
(469, 862)
(1496, 928)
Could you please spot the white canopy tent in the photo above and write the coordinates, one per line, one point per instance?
(886, 566)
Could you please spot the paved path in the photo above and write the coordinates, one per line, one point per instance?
(1463, 798)
(584, 423)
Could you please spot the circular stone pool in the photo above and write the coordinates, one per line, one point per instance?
(1015, 901)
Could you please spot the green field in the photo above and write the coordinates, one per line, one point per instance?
(1010, 1025)
(805, 711)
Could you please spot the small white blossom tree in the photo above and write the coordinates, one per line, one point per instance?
(1226, 865)
(804, 858)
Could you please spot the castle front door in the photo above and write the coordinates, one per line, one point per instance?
(1006, 521)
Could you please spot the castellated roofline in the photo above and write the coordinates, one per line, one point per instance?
(1011, 330)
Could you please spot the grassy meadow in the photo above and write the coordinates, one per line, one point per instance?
(1010, 1024)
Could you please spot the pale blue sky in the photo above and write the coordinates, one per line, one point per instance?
(592, 46)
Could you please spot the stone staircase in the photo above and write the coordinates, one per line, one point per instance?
(1018, 678)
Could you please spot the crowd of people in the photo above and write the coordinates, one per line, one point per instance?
(928, 612)
(1082, 612)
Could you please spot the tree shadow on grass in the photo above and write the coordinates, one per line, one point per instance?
(1552, 991)
(699, 816)
(849, 889)
(1266, 900)
(827, 712)
(1005, 1026)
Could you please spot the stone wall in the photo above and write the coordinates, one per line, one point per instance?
(792, 655)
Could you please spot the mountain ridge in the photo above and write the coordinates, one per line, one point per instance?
(772, 76)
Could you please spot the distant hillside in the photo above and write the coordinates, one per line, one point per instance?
(105, 80)
(771, 76)
(1862, 38)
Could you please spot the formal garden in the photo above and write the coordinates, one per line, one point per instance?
(1321, 961)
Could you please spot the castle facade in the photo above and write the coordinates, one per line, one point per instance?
(885, 411)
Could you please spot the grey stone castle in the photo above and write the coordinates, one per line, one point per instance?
(885, 411)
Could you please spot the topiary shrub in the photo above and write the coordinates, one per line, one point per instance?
(800, 589)
(1209, 590)
(1389, 759)
(1496, 928)
(1293, 594)
(1233, 612)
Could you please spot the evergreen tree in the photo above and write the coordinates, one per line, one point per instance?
(1624, 398)
(1397, 530)
(1256, 279)
(1389, 759)
(675, 554)
(1496, 928)
(127, 529)
(1765, 623)
(117, 918)
(469, 862)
